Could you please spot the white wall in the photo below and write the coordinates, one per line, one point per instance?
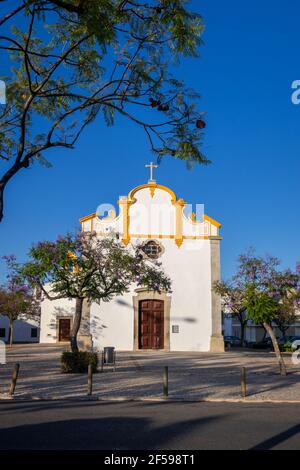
(189, 267)
(112, 323)
(21, 330)
(50, 311)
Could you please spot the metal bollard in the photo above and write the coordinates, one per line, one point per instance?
(166, 381)
(90, 379)
(14, 379)
(243, 382)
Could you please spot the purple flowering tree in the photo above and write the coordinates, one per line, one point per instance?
(287, 288)
(18, 299)
(87, 267)
(233, 301)
(271, 296)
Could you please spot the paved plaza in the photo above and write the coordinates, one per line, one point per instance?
(199, 376)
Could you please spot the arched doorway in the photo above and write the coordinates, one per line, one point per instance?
(151, 324)
(152, 316)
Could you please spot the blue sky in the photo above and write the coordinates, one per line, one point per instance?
(247, 66)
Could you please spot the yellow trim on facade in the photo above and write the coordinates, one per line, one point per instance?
(87, 217)
(179, 204)
(111, 216)
(179, 224)
(171, 237)
(124, 204)
(150, 235)
(74, 257)
(192, 218)
(152, 186)
(212, 221)
(152, 190)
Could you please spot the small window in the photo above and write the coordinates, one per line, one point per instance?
(34, 332)
(2, 332)
(152, 249)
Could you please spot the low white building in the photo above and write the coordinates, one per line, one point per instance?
(152, 218)
(24, 331)
(254, 333)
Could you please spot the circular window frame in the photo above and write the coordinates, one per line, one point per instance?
(154, 256)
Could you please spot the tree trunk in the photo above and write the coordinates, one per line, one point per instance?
(283, 330)
(265, 332)
(76, 324)
(243, 325)
(281, 363)
(1, 201)
(11, 332)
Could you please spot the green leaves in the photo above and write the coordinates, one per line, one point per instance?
(186, 30)
(84, 266)
(189, 151)
(260, 306)
(269, 293)
(76, 61)
(77, 54)
(109, 115)
(17, 298)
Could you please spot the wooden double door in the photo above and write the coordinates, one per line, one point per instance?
(151, 324)
(64, 329)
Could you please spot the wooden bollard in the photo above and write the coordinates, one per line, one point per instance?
(90, 379)
(243, 382)
(166, 381)
(14, 379)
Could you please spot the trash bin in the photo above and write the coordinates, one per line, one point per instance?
(109, 355)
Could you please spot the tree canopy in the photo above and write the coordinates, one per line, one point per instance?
(18, 299)
(73, 61)
(270, 293)
(85, 267)
(232, 293)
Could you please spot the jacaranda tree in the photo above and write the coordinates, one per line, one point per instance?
(72, 61)
(87, 267)
(18, 300)
(269, 293)
(232, 293)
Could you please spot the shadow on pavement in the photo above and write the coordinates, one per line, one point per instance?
(268, 444)
(128, 433)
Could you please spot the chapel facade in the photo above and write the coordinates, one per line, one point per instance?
(154, 220)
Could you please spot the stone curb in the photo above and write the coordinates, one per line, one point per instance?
(145, 399)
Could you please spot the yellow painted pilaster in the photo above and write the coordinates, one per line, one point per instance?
(179, 205)
(125, 204)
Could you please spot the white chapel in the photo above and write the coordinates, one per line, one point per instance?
(152, 218)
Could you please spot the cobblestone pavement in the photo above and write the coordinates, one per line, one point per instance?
(140, 375)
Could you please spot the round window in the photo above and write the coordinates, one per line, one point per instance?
(152, 249)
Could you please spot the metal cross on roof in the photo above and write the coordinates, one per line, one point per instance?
(151, 167)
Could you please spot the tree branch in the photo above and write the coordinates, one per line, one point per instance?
(11, 14)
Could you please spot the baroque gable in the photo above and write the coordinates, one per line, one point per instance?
(152, 211)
